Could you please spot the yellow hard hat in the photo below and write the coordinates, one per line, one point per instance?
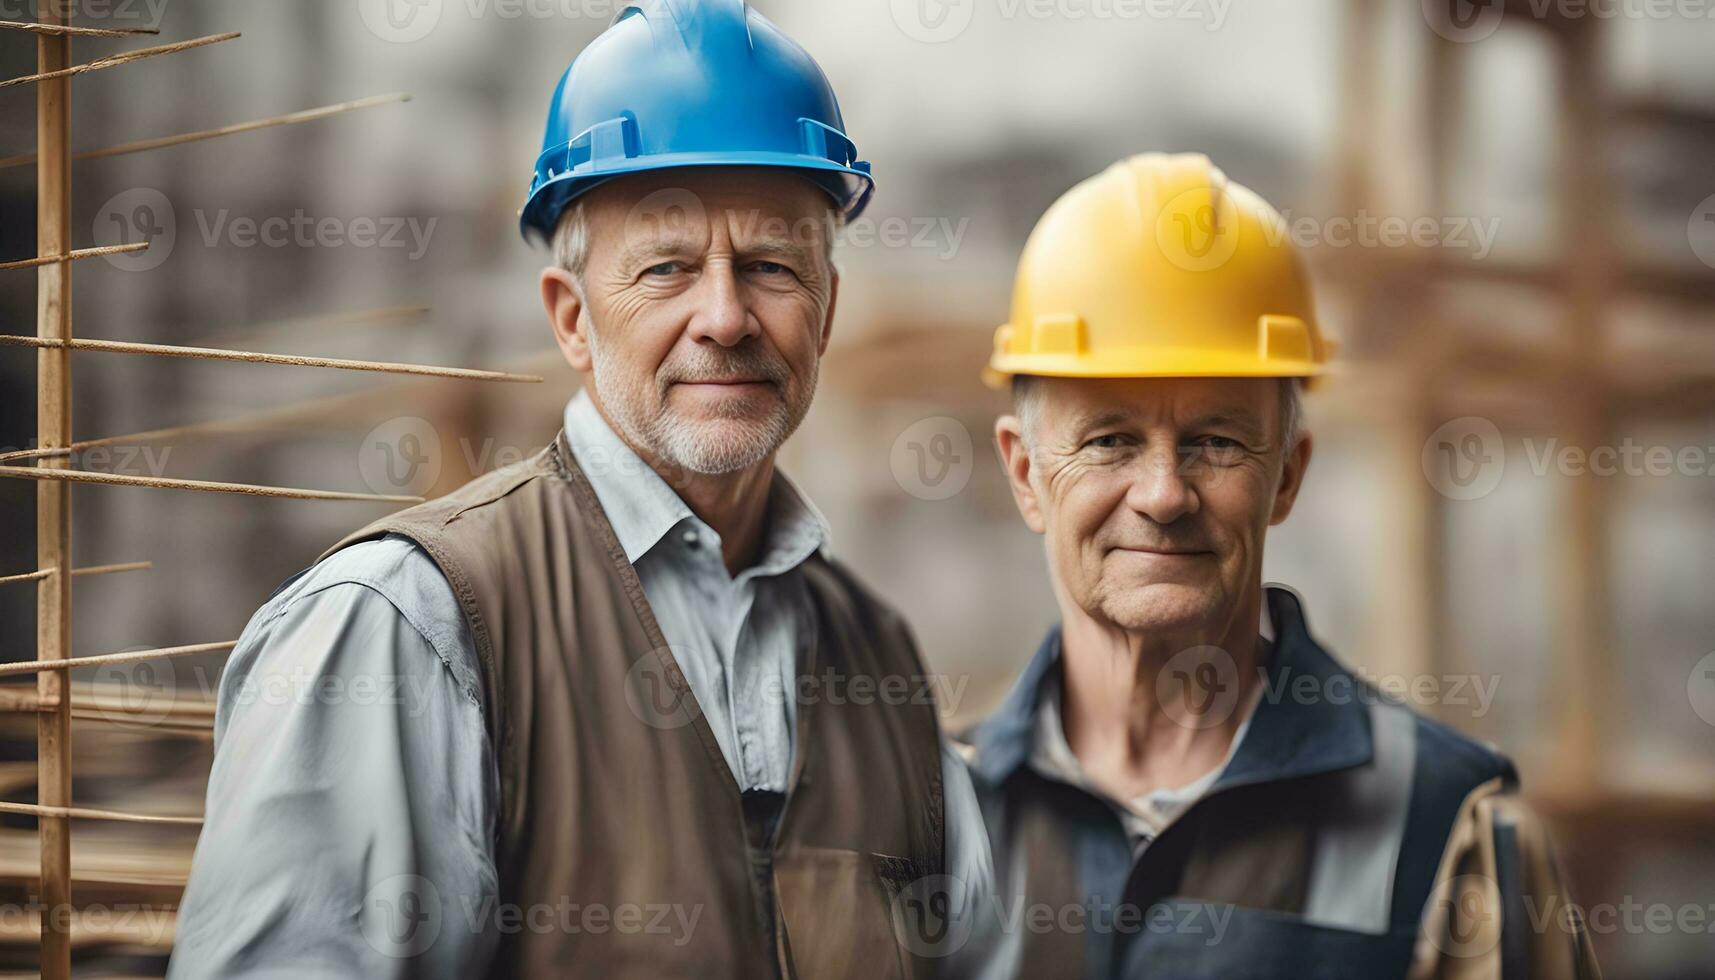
(1160, 267)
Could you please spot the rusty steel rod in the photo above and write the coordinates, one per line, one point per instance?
(243, 423)
(187, 714)
(54, 30)
(73, 255)
(41, 573)
(317, 409)
(127, 566)
(115, 60)
(169, 483)
(130, 656)
(85, 813)
(329, 408)
(257, 357)
(290, 118)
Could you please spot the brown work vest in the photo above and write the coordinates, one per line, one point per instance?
(620, 819)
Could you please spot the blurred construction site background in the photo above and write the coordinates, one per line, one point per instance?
(1508, 207)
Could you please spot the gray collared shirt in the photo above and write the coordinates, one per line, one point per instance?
(737, 638)
(352, 766)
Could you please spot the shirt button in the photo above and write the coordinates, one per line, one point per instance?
(690, 538)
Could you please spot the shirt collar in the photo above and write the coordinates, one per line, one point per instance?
(1287, 737)
(643, 508)
(1052, 756)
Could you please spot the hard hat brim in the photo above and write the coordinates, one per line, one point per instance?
(1146, 364)
(850, 187)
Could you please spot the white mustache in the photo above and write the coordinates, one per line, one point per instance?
(730, 362)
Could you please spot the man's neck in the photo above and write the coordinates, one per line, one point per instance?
(1135, 730)
(734, 504)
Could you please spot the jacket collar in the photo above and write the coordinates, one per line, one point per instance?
(1300, 727)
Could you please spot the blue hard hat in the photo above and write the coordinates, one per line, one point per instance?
(690, 83)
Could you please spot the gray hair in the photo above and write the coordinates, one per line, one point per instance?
(572, 241)
(1027, 405)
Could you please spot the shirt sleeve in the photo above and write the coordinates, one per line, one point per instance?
(350, 808)
(971, 944)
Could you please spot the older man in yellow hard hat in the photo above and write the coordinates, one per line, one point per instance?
(1183, 783)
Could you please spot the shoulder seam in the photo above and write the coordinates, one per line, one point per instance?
(374, 586)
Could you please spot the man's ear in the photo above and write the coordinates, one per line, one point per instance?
(1015, 459)
(833, 301)
(563, 299)
(1291, 479)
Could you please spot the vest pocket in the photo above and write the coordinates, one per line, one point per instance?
(836, 909)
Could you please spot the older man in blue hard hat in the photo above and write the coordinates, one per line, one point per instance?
(612, 757)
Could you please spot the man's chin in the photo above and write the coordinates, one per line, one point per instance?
(1164, 607)
(721, 445)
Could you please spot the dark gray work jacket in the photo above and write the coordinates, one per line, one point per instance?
(1313, 855)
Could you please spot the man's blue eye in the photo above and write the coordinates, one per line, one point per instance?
(1109, 441)
(1219, 450)
(663, 269)
(770, 268)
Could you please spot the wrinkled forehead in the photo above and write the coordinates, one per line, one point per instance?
(749, 207)
(1078, 403)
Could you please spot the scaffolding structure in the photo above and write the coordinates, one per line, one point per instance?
(55, 701)
(1579, 382)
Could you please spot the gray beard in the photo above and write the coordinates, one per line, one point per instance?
(710, 448)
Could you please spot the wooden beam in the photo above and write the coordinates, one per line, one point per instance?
(1586, 714)
(53, 498)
